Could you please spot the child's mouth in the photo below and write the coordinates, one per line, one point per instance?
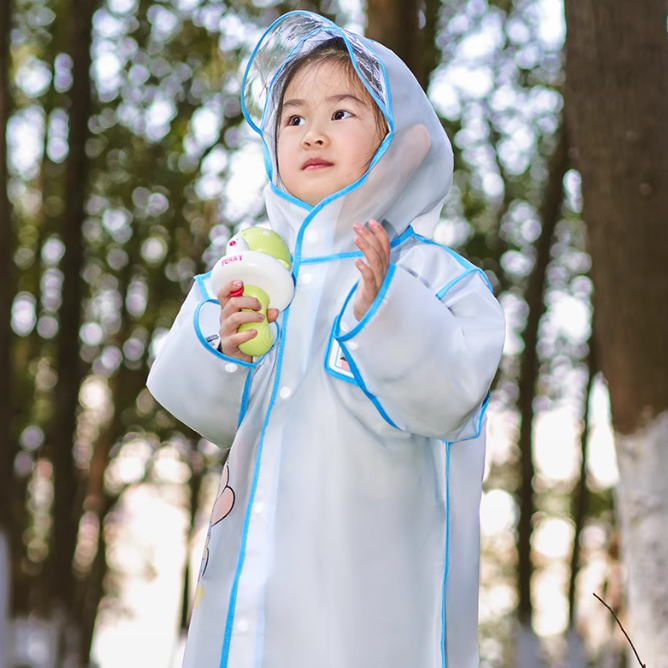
(316, 163)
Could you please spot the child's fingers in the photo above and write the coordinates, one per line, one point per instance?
(231, 324)
(229, 345)
(368, 275)
(272, 314)
(235, 340)
(366, 290)
(369, 287)
(234, 304)
(376, 237)
(380, 234)
(375, 261)
(370, 239)
(223, 295)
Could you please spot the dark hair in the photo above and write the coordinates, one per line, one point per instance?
(333, 50)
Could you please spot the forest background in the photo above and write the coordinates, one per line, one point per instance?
(124, 168)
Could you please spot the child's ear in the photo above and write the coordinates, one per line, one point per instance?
(416, 143)
(401, 160)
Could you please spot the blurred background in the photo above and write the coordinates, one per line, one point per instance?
(126, 165)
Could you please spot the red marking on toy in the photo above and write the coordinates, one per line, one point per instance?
(239, 292)
(231, 258)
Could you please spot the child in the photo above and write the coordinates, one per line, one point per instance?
(345, 533)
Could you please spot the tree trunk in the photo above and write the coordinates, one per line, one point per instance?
(529, 369)
(617, 106)
(396, 25)
(66, 396)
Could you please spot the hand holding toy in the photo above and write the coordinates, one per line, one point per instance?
(261, 260)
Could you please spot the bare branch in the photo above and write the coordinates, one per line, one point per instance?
(622, 628)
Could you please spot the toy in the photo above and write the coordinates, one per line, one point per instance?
(261, 260)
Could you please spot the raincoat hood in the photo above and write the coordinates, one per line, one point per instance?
(411, 172)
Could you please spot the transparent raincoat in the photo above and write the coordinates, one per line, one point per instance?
(345, 533)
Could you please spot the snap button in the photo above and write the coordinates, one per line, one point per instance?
(231, 367)
(258, 507)
(242, 626)
(352, 345)
(312, 235)
(305, 279)
(285, 392)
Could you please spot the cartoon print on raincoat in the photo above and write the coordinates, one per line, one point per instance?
(354, 541)
(222, 507)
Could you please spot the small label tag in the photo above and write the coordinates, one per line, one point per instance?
(337, 361)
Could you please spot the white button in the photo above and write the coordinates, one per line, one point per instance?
(258, 507)
(345, 327)
(352, 345)
(312, 235)
(242, 626)
(305, 278)
(230, 367)
(285, 392)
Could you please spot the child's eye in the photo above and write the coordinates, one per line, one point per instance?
(341, 114)
(295, 120)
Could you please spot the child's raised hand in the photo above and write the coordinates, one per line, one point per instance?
(232, 317)
(375, 244)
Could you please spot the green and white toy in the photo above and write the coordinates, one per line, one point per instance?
(261, 260)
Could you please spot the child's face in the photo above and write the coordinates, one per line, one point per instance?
(328, 132)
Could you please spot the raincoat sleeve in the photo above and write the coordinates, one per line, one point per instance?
(200, 386)
(426, 357)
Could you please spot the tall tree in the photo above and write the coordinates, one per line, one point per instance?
(617, 106)
(529, 373)
(69, 365)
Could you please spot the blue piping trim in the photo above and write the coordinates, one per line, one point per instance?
(483, 410)
(199, 279)
(441, 293)
(211, 349)
(288, 196)
(354, 254)
(244, 401)
(372, 397)
(374, 307)
(351, 362)
(332, 258)
(227, 638)
(408, 233)
(462, 261)
(446, 567)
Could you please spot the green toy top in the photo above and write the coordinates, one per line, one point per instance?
(265, 241)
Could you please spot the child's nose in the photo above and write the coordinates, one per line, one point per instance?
(314, 137)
